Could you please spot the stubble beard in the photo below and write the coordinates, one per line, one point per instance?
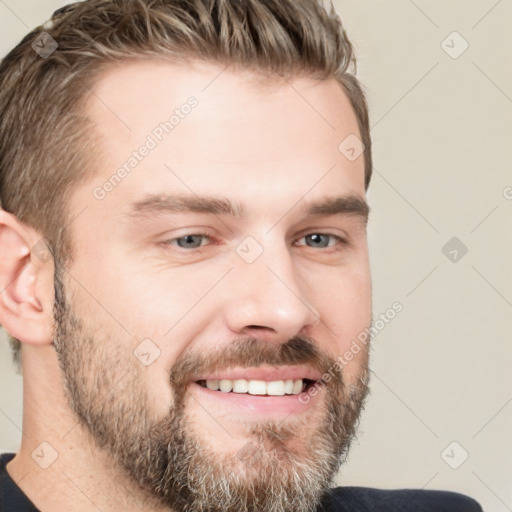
(285, 466)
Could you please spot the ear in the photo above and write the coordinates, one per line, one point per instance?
(26, 282)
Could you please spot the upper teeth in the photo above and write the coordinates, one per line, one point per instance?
(257, 387)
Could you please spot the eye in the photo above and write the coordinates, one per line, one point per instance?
(193, 241)
(321, 240)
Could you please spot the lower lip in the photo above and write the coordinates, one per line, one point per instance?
(244, 403)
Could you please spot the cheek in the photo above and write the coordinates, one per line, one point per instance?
(160, 296)
(155, 379)
(127, 321)
(345, 306)
(344, 302)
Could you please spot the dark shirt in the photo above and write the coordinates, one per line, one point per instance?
(340, 499)
(12, 498)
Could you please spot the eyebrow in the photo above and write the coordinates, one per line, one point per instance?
(171, 204)
(341, 205)
(155, 204)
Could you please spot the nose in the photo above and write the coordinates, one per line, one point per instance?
(269, 299)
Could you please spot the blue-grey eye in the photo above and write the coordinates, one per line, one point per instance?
(318, 240)
(190, 241)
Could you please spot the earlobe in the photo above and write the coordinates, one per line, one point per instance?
(22, 308)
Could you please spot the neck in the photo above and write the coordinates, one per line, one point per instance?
(59, 467)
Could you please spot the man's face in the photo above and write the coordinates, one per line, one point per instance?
(231, 251)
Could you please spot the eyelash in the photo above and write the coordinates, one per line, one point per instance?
(341, 241)
(199, 233)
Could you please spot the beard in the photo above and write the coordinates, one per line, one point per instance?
(285, 466)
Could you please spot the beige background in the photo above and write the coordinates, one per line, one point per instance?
(442, 131)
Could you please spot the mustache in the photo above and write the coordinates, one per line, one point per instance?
(250, 352)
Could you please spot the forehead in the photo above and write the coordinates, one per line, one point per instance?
(201, 128)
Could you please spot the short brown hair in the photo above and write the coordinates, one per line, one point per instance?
(45, 138)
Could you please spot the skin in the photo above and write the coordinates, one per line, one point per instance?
(270, 147)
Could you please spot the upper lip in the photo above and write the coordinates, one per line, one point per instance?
(265, 373)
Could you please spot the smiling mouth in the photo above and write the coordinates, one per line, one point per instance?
(258, 387)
